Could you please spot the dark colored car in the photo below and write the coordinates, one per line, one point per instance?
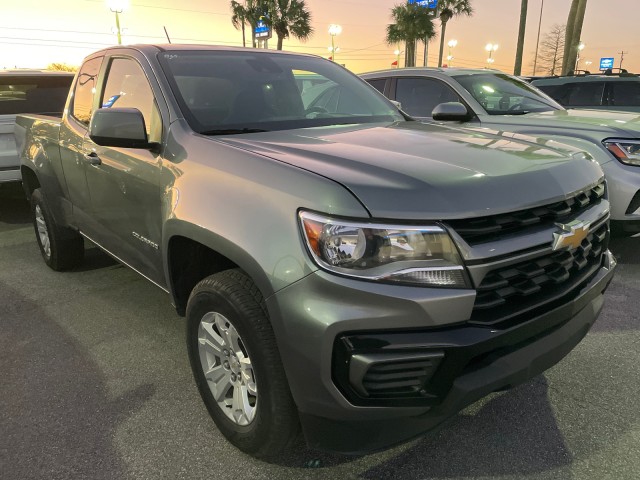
(607, 92)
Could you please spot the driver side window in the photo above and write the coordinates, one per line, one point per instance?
(128, 87)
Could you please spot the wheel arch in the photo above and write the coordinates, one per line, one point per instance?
(193, 253)
(30, 180)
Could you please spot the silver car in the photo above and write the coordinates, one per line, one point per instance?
(26, 91)
(490, 99)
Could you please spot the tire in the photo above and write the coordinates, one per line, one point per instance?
(226, 309)
(61, 247)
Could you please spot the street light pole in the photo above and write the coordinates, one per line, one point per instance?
(117, 7)
(580, 48)
(118, 27)
(452, 44)
(491, 47)
(333, 31)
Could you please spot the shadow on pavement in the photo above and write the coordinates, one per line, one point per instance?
(57, 420)
(626, 250)
(14, 208)
(514, 433)
(518, 426)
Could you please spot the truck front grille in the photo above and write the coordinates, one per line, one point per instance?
(483, 229)
(510, 293)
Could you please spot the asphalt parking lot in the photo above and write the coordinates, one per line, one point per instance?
(96, 384)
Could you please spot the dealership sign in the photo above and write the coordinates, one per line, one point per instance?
(606, 63)
(424, 3)
(262, 31)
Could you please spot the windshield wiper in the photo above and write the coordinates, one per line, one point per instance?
(232, 131)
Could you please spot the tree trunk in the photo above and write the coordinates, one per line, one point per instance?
(253, 36)
(281, 38)
(410, 54)
(443, 29)
(244, 40)
(517, 70)
(576, 32)
(568, 37)
(426, 52)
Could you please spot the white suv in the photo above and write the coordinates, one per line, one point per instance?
(26, 91)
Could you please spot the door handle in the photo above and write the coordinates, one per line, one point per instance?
(93, 158)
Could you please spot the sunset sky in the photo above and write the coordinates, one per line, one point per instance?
(34, 33)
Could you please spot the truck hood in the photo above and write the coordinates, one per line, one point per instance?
(414, 171)
(605, 123)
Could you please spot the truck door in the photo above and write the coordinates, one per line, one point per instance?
(72, 133)
(126, 197)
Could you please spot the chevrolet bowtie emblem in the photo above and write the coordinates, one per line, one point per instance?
(573, 235)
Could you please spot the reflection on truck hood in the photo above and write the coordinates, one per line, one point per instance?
(408, 170)
(605, 121)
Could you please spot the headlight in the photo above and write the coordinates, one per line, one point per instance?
(424, 256)
(627, 151)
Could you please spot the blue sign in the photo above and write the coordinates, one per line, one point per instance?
(262, 29)
(606, 63)
(424, 3)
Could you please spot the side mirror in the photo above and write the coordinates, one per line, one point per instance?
(119, 127)
(451, 111)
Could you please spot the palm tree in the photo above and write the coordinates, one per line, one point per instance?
(411, 23)
(447, 9)
(517, 70)
(290, 17)
(239, 18)
(248, 14)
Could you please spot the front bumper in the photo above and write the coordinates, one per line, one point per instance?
(623, 183)
(329, 322)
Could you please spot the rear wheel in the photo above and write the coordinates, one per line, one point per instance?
(62, 248)
(237, 366)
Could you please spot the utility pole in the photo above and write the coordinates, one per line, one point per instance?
(535, 60)
(622, 58)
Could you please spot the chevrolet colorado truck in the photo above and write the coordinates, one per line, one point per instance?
(344, 270)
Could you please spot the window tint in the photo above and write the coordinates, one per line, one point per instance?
(625, 94)
(44, 94)
(583, 94)
(127, 87)
(419, 96)
(378, 84)
(84, 90)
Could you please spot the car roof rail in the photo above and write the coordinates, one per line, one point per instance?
(578, 73)
(621, 72)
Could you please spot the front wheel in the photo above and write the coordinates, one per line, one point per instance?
(61, 247)
(237, 366)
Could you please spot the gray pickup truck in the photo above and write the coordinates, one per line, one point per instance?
(343, 270)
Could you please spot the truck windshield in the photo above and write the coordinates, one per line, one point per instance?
(231, 92)
(501, 94)
(45, 94)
